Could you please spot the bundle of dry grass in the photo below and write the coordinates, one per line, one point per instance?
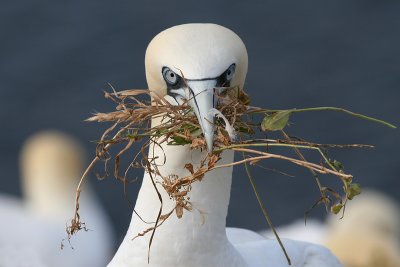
(235, 126)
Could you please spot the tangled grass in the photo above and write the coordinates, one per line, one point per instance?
(235, 126)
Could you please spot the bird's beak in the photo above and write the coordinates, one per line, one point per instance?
(200, 94)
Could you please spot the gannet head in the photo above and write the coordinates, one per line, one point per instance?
(189, 61)
(51, 164)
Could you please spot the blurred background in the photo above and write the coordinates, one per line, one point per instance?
(56, 59)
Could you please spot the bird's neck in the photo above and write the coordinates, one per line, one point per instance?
(199, 232)
(209, 197)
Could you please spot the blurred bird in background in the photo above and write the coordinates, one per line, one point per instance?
(32, 228)
(367, 236)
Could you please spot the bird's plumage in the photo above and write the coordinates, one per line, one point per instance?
(368, 234)
(199, 52)
(51, 164)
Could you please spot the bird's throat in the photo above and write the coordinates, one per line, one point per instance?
(201, 230)
(209, 197)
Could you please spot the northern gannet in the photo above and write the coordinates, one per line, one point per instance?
(31, 229)
(188, 62)
(368, 234)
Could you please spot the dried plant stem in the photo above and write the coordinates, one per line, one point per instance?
(358, 115)
(75, 223)
(282, 145)
(179, 126)
(296, 142)
(79, 188)
(265, 213)
(159, 211)
(314, 174)
(266, 155)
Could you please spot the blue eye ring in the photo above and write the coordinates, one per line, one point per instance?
(169, 76)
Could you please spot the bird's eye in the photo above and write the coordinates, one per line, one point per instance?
(230, 71)
(169, 76)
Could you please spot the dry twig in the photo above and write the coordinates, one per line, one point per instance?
(180, 127)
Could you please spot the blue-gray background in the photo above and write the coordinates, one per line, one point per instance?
(57, 57)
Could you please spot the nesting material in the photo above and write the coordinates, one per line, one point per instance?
(236, 122)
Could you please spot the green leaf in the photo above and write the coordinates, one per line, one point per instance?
(178, 141)
(336, 208)
(276, 121)
(348, 182)
(190, 127)
(337, 164)
(246, 130)
(196, 133)
(161, 132)
(354, 190)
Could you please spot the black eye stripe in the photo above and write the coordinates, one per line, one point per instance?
(230, 71)
(222, 80)
(231, 68)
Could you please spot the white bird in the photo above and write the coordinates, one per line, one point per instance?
(33, 228)
(369, 233)
(208, 56)
(367, 236)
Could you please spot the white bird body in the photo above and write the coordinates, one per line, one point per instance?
(35, 225)
(205, 56)
(313, 231)
(38, 237)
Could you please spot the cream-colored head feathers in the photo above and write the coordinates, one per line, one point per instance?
(190, 62)
(199, 51)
